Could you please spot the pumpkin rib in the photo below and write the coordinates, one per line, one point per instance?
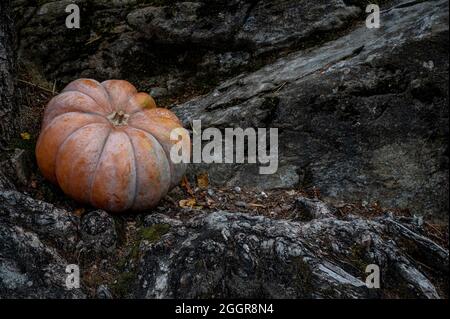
(161, 113)
(114, 178)
(140, 107)
(57, 106)
(98, 86)
(96, 102)
(172, 166)
(159, 142)
(109, 85)
(91, 182)
(76, 160)
(64, 142)
(47, 157)
(79, 112)
(70, 135)
(163, 162)
(136, 181)
(126, 105)
(176, 169)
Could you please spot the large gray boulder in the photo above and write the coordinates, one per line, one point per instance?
(215, 254)
(234, 255)
(362, 118)
(159, 43)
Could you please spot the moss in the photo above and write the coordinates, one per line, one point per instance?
(153, 233)
(122, 285)
(123, 282)
(358, 256)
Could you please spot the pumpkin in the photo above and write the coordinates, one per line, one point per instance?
(108, 145)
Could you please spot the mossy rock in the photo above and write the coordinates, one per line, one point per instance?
(154, 232)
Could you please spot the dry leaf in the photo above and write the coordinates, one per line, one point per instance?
(256, 205)
(185, 184)
(78, 212)
(209, 201)
(25, 135)
(203, 180)
(187, 203)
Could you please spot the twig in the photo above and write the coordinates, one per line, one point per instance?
(280, 87)
(93, 39)
(435, 229)
(39, 87)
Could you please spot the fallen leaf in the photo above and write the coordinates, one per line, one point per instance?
(78, 212)
(185, 184)
(203, 180)
(25, 135)
(187, 203)
(209, 202)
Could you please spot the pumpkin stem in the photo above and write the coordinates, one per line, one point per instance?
(118, 118)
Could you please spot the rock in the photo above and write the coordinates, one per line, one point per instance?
(311, 209)
(158, 92)
(5, 183)
(31, 269)
(202, 22)
(21, 163)
(240, 204)
(16, 169)
(103, 292)
(235, 255)
(130, 39)
(98, 234)
(34, 237)
(224, 63)
(57, 225)
(350, 121)
(294, 22)
(219, 254)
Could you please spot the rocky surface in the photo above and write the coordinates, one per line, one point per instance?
(173, 46)
(35, 237)
(363, 117)
(224, 254)
(218, 254)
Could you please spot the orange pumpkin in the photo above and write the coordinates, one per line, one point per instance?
(108, 145)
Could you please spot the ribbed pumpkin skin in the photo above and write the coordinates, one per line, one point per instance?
(108, 145)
